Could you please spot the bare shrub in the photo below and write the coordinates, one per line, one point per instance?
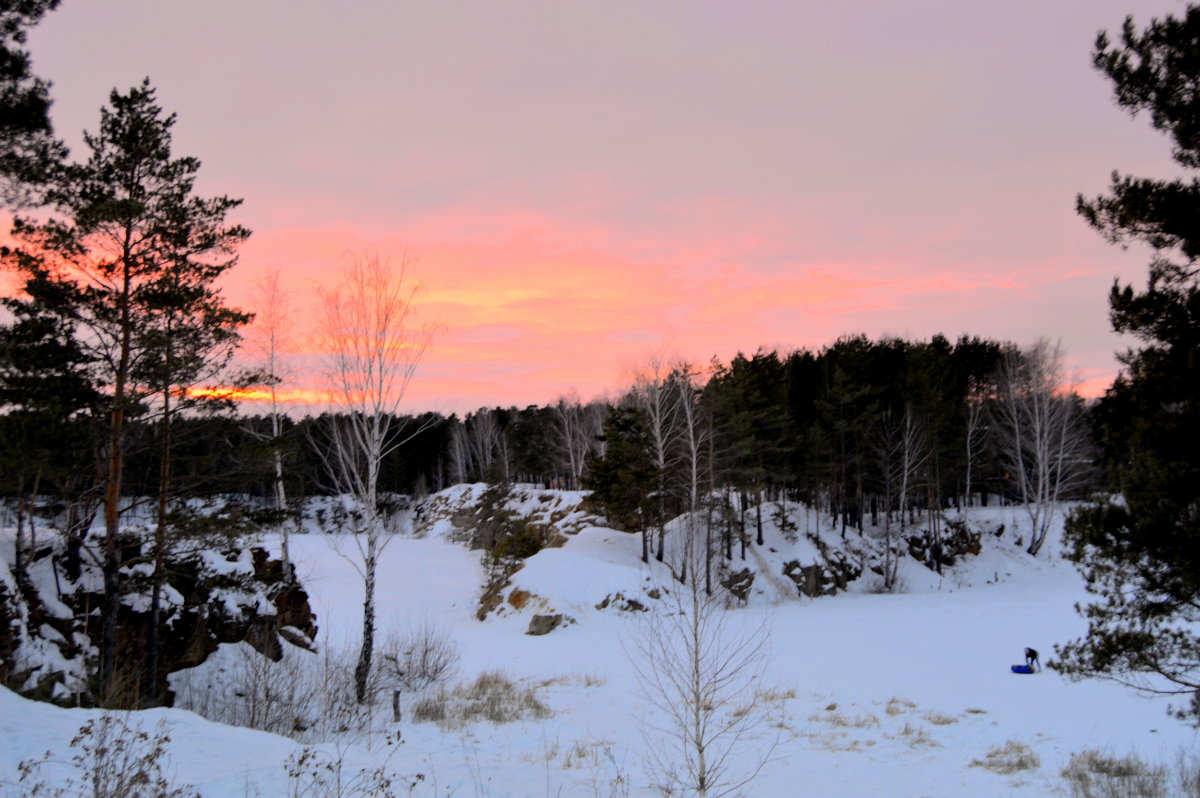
(1094, 774)
(305, 696)
(1187, 773)
(322, 773)
(1012, 757)
(113, 758)
(256, 692)
(423, 657)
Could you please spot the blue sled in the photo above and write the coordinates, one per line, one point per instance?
(1022, 669)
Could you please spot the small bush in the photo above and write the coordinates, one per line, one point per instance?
(1187, 773)
(1010, 758)
(305, 696)
(520, 541)
(114, 759)
(317, 773)
(1093, 774)
(424, 657)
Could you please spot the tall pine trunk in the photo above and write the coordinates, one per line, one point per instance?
(153, 646)
(112, 489)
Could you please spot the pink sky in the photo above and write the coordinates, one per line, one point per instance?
(582, 184)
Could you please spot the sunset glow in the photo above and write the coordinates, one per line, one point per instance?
(733, 181)
(286, 396)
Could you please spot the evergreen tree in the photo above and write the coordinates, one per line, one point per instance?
(28, 149)
(1141, 558)
(47, 390)
(625, 479)
(128, 247)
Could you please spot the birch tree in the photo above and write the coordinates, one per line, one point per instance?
(373, 343)
(578, 429)
(700, 668)
(1042, 438)
(902, 450)
(653, 395)
(694, 435)
(272, 337)
(975, 433)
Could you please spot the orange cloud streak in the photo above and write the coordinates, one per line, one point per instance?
(293, 395)
(531, 306)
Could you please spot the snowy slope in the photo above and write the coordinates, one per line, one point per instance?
(877, 694)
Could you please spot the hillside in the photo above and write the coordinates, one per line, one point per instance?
(865, 690)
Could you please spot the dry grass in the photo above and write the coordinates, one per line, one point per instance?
(776, 696)
(940, 719)
(897, 705)
(578, 679)
(845, 721)
(1094, 774)
(578, 755)
(1012, 757)
(916, 735)
(493, 697)
(518, 598)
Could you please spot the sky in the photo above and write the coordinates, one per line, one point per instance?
(581, 186)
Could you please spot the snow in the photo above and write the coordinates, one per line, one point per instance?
(876, 694)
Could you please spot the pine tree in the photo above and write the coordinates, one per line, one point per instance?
(47, 392)
(624, 481)
(28, 149)
(129, 257)
(1141, 558)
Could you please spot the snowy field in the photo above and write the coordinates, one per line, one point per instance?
(871, 695)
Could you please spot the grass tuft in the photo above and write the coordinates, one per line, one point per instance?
(1012, 757)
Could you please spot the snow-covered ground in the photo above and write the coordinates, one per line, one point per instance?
(891, 695)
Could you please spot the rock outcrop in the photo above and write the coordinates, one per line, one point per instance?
(50, 627)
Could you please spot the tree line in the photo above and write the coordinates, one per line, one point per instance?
(881, 434)
(832, 427)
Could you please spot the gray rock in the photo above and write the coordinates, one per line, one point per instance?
(544, 624)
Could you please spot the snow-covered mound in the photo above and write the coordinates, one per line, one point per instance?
(458, 512)
(803, 555)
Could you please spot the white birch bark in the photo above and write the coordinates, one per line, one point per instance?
(372, 344)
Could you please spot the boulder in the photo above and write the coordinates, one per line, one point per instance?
(544, 624)
(739, 582)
